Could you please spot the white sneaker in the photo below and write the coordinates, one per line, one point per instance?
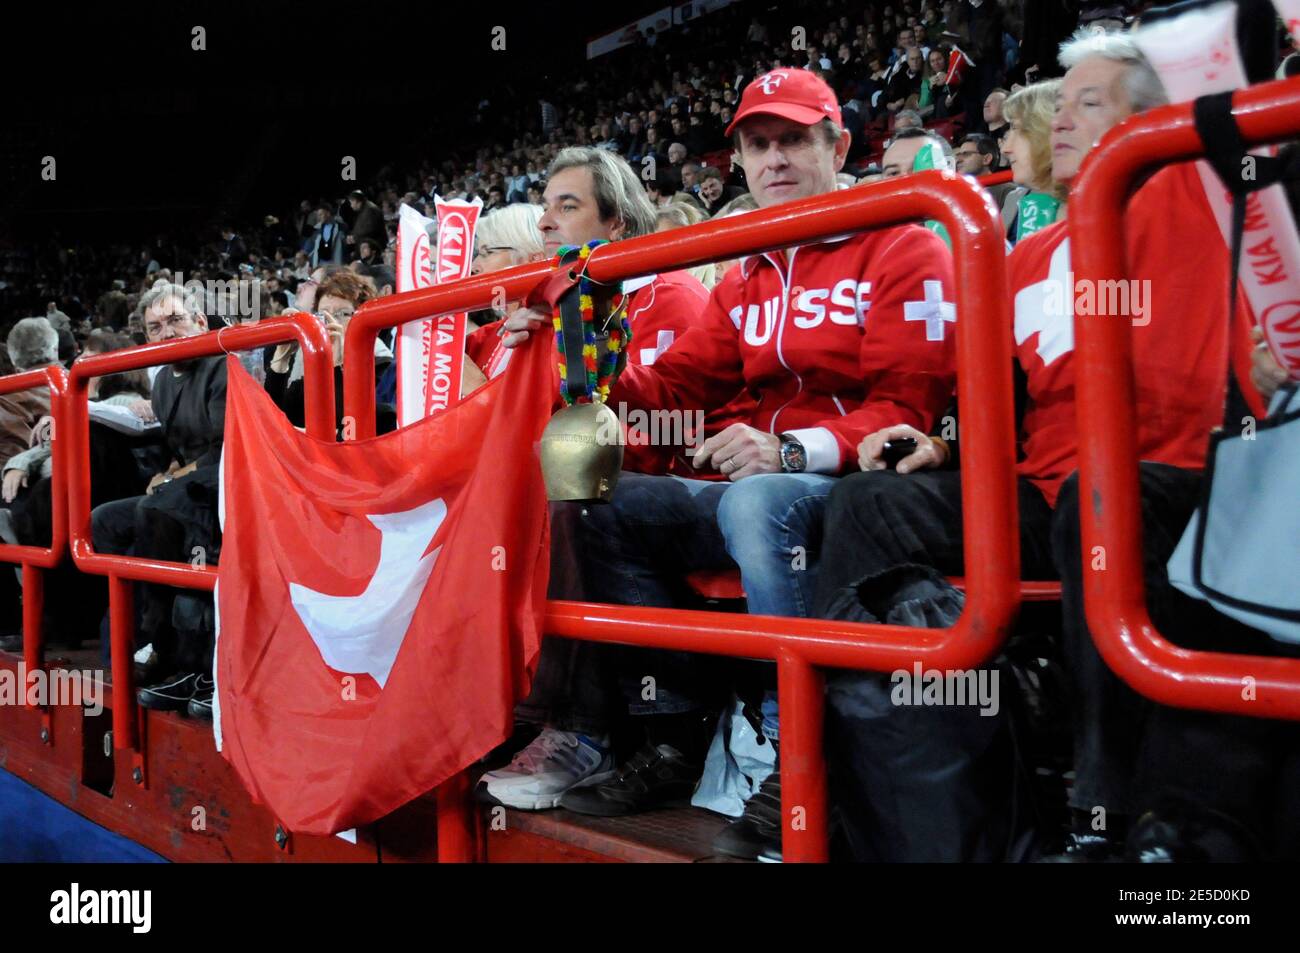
(555, 762)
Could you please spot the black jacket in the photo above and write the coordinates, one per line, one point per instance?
(191, 406)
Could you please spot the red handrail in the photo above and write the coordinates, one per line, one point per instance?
(318, 395)
(1108, 470)
(988, 488)
(36, 559)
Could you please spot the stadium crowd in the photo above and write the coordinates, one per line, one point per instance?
(795, 457)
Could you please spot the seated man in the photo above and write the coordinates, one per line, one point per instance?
(593, 194)
(834, 339)
(32, 343)
(892, 537)
(179, 505)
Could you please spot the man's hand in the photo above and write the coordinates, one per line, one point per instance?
(521, 324)
(158, 480)
(928, 455)
(142, 409)
(740, 451)
(14, 480)
(1265, 372)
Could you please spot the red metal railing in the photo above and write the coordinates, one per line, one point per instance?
(36, 559)
(1108, 471)
(122, 571)
(798, 646)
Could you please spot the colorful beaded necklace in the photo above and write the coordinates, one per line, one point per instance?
(600, 373)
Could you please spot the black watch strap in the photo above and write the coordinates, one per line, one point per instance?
(794, 457)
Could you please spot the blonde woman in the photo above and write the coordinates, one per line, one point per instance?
(1039, 199)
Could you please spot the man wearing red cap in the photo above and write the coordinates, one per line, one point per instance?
(835, 340)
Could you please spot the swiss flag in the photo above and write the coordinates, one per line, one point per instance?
(379, 602)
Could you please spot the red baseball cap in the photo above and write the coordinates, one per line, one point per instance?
(799, 95)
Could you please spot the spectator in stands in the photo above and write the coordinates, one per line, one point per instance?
(978, 155)
(939, 97)
(178, 509)
(714, 193)
(821, 379)
(335, 302)
(129, 390)
(74, 603)
(908, 119)
(367, 222)
(905, 85)
(676, 159)
(994, 121)
(232, 249)
(892, 537)
(1037, 200)
(503, 239)
(690, 175)
(902, 155)
(32, 344)
(328, 243)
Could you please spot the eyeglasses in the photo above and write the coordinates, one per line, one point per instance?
(153, 329)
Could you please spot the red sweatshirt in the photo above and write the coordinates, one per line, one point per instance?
(1180, 340)
(834, 340)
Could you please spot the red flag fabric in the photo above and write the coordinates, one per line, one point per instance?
(380, 601)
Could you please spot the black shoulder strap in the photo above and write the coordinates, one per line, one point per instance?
(1240, 172)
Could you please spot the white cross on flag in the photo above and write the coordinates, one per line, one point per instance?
(934, 311)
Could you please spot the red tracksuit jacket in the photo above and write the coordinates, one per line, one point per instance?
(1181, 340)
(834, 341)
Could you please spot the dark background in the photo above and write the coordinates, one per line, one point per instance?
(151, 136)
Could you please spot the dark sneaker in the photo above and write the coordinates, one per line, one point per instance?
(173, 694)
(656, 776)
(200, 705)
(756, 834)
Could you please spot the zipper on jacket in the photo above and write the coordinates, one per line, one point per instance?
(780, 330)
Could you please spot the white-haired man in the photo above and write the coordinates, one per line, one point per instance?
(32, 343)
(828, 338)
(189, 400)
(893, 537)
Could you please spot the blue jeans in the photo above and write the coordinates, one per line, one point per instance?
(638, 549)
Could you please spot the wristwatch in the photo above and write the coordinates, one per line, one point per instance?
(794, 458)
